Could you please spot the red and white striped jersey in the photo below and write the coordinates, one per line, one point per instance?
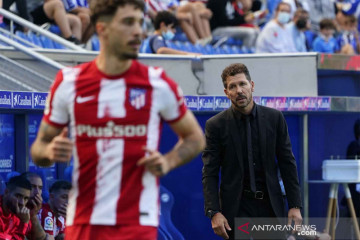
(111, 119)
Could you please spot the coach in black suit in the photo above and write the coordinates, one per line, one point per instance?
(248, 143)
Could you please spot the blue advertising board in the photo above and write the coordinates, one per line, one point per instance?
(34, 121)
(22, 100)
(7, 143)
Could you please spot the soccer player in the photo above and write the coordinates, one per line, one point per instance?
(34, 205)
(115, 107)
(14, 216)
(52, 215)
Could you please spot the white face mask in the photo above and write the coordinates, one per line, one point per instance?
(168, 35)
(283, 17)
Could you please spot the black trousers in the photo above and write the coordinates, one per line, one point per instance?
(21, 7)
(255, 209)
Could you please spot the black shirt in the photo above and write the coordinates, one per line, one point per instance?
(255, 141)
(224, 14)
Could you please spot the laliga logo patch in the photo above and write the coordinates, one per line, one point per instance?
(49, 224)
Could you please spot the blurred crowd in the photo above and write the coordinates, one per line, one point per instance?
(261, 26)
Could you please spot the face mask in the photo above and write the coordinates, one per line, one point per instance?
(168, 35)
(283, 17)
(325, 37)
(301, 24)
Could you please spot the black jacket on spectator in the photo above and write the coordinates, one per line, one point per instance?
(224, 14)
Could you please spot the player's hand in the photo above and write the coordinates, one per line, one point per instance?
(155, 163)
(60, 148)
(35, 204)
(23, 214)
(62, 210)
(219, 224)
(294, 214)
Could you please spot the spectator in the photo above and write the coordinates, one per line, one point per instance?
(348, 40)
(349, 8)
(297, 27)
(320, 9)
(165, 23)
(193, 18)
(14, 216)
(226, 22)
(325, 42)
(52, 216)
(53, 11)
(297, 4)
(80, 9)
(276, 37)
(21, 8)
(34, 205)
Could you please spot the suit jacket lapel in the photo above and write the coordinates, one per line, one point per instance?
(262, 134)
(235, 135)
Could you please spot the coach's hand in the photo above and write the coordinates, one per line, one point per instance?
(60, 148)
(219, 224)
(294, 214)
(155, 162)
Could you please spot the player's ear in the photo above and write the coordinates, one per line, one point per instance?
(100, 28)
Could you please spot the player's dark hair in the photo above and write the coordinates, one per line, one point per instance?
(58, 185)
(18, 181)
(166, 17)
(28, 175)
(232, 70)
(108, 8)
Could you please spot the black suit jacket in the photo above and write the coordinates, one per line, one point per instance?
(222, 154)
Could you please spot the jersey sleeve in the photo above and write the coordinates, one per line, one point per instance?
(174, 107)
(55, 112)
(46, 221)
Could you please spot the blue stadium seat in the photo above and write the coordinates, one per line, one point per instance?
(11, 174)
(68, 173)
(34, 39)
(180, 35)
(2, 186)
(48, 179)
(166, 225)
(310, 37)
(236, 50)
(46, 42)
(209, 49)
(23, 36)
(145, 46)
(95, 44)
(162, 235)
(55, 29)
(58, 45)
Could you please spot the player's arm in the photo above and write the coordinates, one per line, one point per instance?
(191, 143)
(51, 145)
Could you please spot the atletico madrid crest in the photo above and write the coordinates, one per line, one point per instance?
(137, 97)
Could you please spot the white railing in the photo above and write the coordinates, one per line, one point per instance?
(31, 52)
(37, 29)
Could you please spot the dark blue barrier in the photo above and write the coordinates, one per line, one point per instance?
(329, 134)
(185, 182)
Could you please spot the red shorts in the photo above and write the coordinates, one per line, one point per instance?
(100, 232)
